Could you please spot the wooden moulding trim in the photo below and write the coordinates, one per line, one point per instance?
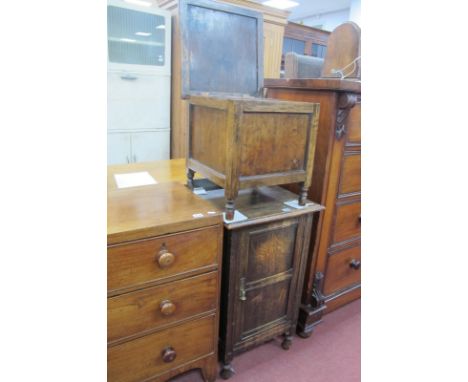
(280, 277)
(183, 366)
(122, 237)
(272, 179)
(333, 84)
(220, 179)
(343, 245)
(272, 218)
(208, 101)
(152, 283)
(266, 331)
(159, 328)
(341, 292)
(275, 106)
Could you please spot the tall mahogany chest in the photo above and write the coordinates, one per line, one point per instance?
(333, 268)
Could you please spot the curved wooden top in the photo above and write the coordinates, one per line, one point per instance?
(315, 84)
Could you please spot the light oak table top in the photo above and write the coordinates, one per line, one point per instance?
(166, 207)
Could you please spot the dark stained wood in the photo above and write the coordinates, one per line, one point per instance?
(336, 184)
(263, 270)
(267, 142)
(164, 268)
(222, 48)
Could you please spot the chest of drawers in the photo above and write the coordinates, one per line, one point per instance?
(333, 268)
(163, 257)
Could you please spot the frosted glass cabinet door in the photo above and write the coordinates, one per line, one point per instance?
(118, 148)
(150, 146)
(138, 101)
(136, 37)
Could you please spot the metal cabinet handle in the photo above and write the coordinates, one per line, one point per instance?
(242, 295)
(128, 77)
(355, 264)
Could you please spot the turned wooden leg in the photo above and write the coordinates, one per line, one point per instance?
(230, 208)
(303, 195)
(227, 371)
(190, 175)
(286, 344)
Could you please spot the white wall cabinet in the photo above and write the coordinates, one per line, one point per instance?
(138, 82)
(137, 147)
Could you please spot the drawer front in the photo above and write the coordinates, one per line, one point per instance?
(136, 263)
(136, 312)
(143, 358)
(347, 222)
(354, 125)
(350, 179)
(343, 270)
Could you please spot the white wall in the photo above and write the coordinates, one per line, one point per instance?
(355, 12)
(328, 21)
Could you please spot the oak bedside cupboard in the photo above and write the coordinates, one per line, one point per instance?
(333, 275)
(265, 250)
(237, 139)
(163, 278)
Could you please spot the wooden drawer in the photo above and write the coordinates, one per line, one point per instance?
(354, 125)
(340, 273)
(350, 179)
(142, 358)
(134, 264)
(347, 222)
(139, 311)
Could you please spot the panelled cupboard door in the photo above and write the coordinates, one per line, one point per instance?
(266, 284)
(118, 148)
(138, 101)
(150, 146)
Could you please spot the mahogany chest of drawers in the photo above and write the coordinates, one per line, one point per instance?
(163, 259)
(333, 268)
(264, 257)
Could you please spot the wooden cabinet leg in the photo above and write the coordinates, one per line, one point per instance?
(230, 208)
(287, 341)
(190, 175)
(303, 195)
(227, 371)
(209, 371)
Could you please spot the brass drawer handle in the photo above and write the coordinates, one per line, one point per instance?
(167, 307)
(165, 258)
(169, 354)
(355, 264)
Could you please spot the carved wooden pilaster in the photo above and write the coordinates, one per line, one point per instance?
(346, 102)
(318, 298)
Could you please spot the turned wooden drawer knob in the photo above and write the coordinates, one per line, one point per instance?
(165, 258)
(355, 264)
(168, 354)
(167, 307)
